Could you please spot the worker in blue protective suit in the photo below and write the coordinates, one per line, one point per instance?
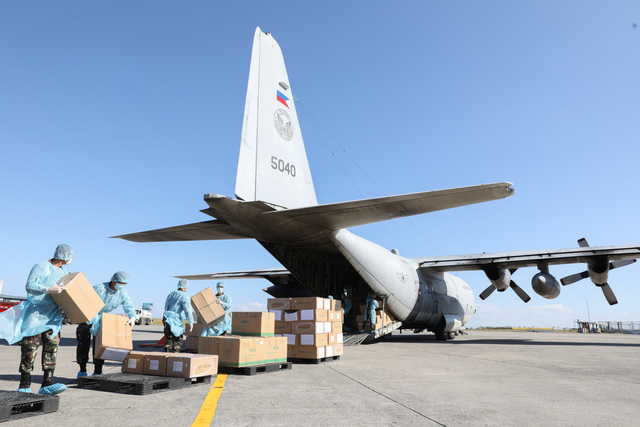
(177, 304)
(224, 326)
(370, 311)
(113, 295)
(38, 319)
(347, 308)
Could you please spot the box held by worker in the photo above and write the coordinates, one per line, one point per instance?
(196, 330)
(191, 343)
(191, 365)
(113, 341)
(79, 301)
(207, 307)
(252, 323)
(134, 362)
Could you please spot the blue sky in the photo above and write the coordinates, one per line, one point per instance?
(117, 117)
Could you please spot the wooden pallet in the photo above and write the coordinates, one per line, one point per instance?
(15, 405)
(313, 361)
(255, 369)
(138, 384)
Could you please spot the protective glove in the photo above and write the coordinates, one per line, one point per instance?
(131, 321)
(188, 327)
(55, 289)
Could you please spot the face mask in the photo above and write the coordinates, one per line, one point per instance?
(119, 287)
(220, 290)
(69, 262)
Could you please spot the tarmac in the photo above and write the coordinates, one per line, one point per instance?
(485, 378)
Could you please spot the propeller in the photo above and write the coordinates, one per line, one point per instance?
(606, 289)
(517, 289)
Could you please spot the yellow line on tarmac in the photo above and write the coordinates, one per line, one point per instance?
(208, 408)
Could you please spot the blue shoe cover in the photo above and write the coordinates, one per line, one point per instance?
(81, 374)
(53, 389)
(25, 390)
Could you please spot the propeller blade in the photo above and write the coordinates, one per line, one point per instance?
(608, 294)
(520, 292)
(620, 263)
(574, 278)
(485, 294)
(583, 243)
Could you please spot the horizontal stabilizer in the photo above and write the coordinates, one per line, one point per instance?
(208, 230)
(274, 275)
(335, 216)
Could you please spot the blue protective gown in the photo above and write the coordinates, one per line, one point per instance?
(223, 326)
(370, 314)
(112, 300)
(347, 304)
(40, 312)
(177, 304)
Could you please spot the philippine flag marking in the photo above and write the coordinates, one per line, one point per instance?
(280, 97)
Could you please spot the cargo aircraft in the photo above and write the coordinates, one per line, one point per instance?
(275, 203)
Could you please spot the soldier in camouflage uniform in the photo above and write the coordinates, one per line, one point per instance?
(177, 304)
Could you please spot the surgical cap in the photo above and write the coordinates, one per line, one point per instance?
(182, 284)
(220, 285)
(120, 276)
(63, 252)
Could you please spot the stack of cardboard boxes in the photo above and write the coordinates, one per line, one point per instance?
(312, 326)
(252, 342)
(170, 364)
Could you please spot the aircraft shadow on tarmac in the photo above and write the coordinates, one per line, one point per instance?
(469, 340)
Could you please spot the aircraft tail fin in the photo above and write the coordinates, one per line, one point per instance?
(272, 165)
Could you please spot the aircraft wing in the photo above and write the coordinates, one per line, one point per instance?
(274, 275)
(207, 230)
(510, 260)
(335, 216)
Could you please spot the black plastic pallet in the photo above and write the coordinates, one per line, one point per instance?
(313, 361)
(138, 384)
(15, 405)
(255, 369)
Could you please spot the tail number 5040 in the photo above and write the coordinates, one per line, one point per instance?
(280, 165)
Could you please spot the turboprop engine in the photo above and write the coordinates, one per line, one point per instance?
(501, 280)
(545, 285)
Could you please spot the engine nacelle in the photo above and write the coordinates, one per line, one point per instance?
(500, 278)
(599, 271)
(545, 285)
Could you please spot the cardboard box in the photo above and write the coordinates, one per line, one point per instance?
(252, 323)
(335, 316)
(207, 307)
(335, 338)
(80, 302)
(275, 350)
(208, 345)
(338, 349)
(191, 365)
(292, 339)
(155, 364)
(307, 327)
(307, 352)
(317, 340)
(191, 343)
(279, 317)
(318, 315)
(291, 316)
(279, 304)
(238, 351)
(113, 341)
(309, 303)
(282, 327)
(196, 330)
(336, 328)
(134, 362)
